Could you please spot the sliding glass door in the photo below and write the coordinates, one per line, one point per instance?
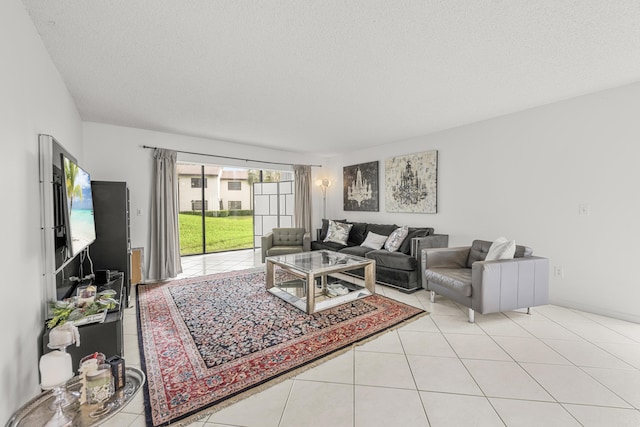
(216, 206)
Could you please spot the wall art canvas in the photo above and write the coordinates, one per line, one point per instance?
(360, 184)
(411, 183)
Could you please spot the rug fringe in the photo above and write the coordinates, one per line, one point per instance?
(291, 374)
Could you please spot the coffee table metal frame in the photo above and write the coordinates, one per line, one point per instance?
(309, 266)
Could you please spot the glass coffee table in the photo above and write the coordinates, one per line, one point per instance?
(318, 280)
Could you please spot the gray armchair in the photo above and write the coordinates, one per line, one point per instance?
(282, 241)
(462, 274)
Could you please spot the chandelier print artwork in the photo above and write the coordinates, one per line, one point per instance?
(411, 183)
(360, 187)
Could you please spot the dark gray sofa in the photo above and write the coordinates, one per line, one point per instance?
(401, 269)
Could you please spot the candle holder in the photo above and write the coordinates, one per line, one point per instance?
(100, 388)
(64, 398)
(59, 418)
(61, 399)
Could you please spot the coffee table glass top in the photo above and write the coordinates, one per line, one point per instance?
(320, 261)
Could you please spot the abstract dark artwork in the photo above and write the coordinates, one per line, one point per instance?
(411, 183)
(361, 187)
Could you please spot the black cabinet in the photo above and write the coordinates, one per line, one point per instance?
(106, 337)
(112, 248)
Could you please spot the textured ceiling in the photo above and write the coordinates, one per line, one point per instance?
(331, 75)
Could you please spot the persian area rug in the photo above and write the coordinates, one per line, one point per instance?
(212, 340)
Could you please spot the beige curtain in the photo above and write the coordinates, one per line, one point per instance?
(302, 207)
(164, 260)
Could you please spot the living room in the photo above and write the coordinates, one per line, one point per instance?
(524, 175)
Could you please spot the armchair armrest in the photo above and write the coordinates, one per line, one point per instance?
(446, 257)
(509, 284)
(431, 241)
(442, 257)
(420, 244)
(267, 243)
(306, 242)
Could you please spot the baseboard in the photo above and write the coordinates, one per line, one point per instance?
(597, 310)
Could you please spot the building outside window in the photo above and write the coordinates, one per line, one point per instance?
(196, 182)
(196, 205)
(235, 205)
(234, 185)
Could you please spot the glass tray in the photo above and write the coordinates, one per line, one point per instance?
(36, 412)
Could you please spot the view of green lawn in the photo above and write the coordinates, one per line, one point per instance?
(222, 233)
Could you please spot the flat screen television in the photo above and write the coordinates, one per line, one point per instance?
(81, 227)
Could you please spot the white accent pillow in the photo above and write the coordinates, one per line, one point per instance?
(338, 232)
(501, 248)
(396, 238)
(374, 241)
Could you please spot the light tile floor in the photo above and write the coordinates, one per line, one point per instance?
(556, 367)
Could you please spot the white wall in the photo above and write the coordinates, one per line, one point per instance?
(115, 153)
(34, 100)
(523, 176)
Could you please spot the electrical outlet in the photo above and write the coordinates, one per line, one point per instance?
(558, 271)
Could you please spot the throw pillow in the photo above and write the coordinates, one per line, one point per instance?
(374, 241)
(501, 248)
(338, 232)
(396, 238)
(325, 227)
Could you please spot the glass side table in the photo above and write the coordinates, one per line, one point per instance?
(37, 412)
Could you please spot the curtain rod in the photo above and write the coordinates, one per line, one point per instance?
(234, 158)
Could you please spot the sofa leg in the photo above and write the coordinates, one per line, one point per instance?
(433, 296)
(471, 316)
(528, 310)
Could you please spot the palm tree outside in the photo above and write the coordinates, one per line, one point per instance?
(73, 190)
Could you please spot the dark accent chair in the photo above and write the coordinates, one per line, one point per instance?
(282, 241)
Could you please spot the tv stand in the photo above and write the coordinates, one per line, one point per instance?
(112, 248)
(106, 337)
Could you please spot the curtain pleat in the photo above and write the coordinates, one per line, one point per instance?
(302, 206)
(164, 260)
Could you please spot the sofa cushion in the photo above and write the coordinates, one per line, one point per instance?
(381, 229)
(455, 279)
(396, 238)
(325, 227)
(358, 233)
(374, 241)
(338, 232)
(283, 250)
(360, 251)
(332, 246)
(405, 247)
(396, 260)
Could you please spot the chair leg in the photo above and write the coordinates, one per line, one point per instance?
(529, 310)
(471, 316)
(433, 296)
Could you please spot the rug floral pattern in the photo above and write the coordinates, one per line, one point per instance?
(207, 339)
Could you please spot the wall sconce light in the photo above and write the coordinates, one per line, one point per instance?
(324, 183)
